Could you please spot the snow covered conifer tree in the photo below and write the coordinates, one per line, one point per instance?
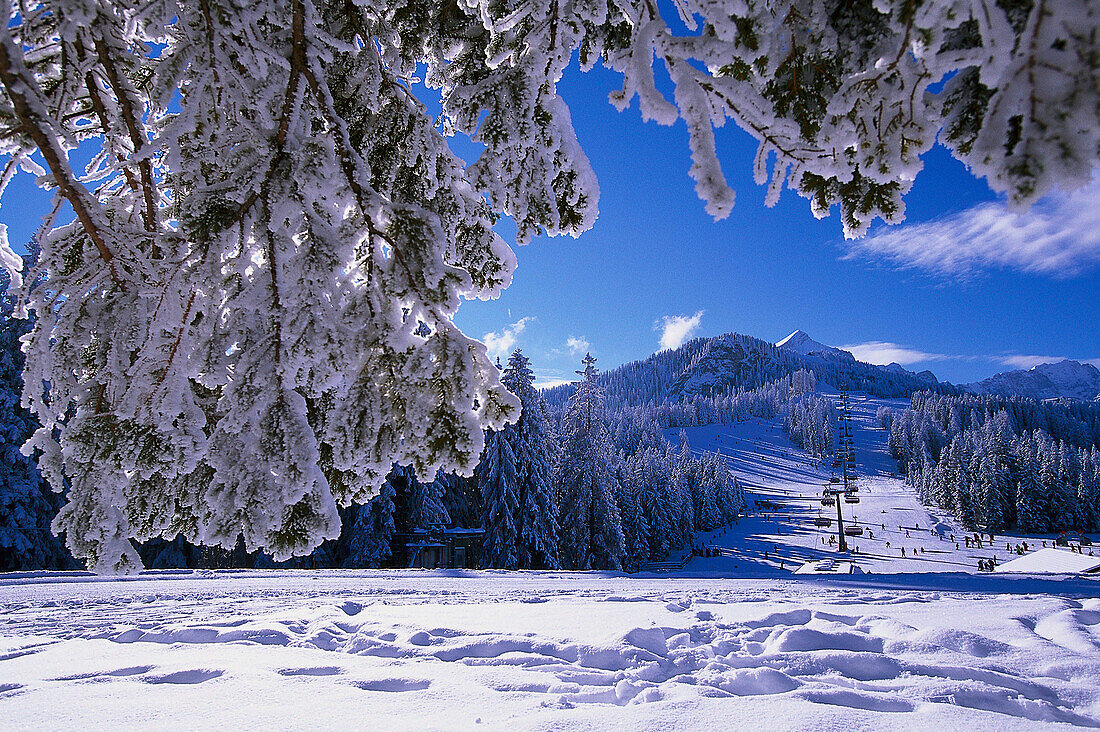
(27, 503)
(1030, 513)
(248, 320)
(423, 501)
(636, 529)
(497, 477)
(590, 531)
(373, 531)
(533, 446)
(519, 515)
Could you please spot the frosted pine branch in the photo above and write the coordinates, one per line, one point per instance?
(248, 322)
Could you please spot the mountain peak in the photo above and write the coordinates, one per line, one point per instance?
(801, 342)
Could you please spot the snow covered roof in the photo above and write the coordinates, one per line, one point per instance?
(829, 566)
(1052, 561)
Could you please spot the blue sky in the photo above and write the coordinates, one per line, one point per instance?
(964, 288)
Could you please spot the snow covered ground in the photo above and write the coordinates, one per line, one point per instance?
(923, 642)
(493, 650)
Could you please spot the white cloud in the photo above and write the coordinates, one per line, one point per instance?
(1059, 236)
(501, 344)
(548, 378)
(551, 383)
(1027, 362)
(884, 353)
(675, 329)
(1019, 361)
(577, 346)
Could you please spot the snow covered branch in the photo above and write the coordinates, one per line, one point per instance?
(248, 322)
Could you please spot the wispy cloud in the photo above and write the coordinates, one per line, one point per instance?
(885, 352)
(675, 329)
(1019, 361)
(548, 378)
(577, 345)
(1026, 362)
(501, 344)
(1058, 237)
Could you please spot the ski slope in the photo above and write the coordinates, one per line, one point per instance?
(772, 469)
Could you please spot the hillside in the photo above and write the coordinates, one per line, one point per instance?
(770, 468)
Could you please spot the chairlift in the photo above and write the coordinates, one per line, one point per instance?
(851, 530)
(851, 498)
(823, 521)
(834, 479)
(828, 501)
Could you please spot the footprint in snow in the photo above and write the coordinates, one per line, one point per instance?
(104, 675)
(193, 676)
(351, 608)
(311, 671)
(393, 685)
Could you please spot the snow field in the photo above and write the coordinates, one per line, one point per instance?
(489, 650)
(771, 468)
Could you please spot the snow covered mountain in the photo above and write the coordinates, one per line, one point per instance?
(801, 342)
(1065, 379)
(724, 364)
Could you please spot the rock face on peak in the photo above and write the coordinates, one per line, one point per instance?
(724, 364)
(1062, 380)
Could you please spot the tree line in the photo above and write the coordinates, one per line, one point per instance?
(999, 462)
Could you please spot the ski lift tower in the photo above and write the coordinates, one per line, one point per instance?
(845, 460)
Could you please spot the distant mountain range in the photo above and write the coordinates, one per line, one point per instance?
(724, 364)
(1063, 380)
